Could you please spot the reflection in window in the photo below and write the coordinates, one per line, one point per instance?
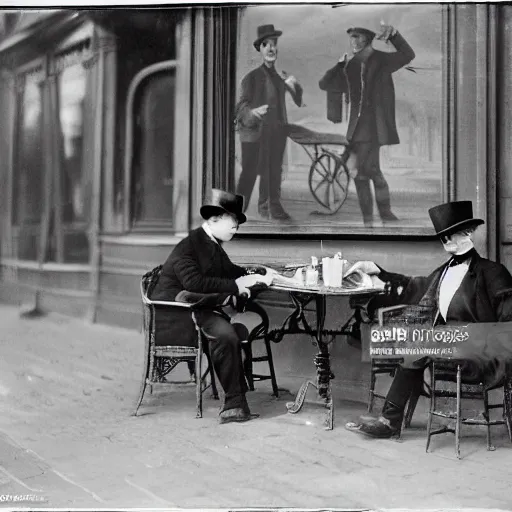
(28, 181)
(154, 151)
(75, 178)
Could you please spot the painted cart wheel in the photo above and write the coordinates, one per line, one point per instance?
(328, 181)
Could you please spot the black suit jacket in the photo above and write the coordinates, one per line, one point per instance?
(254, 93)
(485, 294)
(197, 264)
(371, 88)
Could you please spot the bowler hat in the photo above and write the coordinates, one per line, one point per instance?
(264, 32)
(220, 202)
(451, 217)
(360, 30)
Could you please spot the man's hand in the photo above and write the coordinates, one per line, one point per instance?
(289, 80)
(368, 267)
(259, 112)
(386, 31)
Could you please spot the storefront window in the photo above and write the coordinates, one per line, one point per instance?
(28, 181)
(69, 242)
(153, 151)
(316, 177)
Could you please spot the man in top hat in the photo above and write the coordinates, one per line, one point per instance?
(367, 78)
(199, 265)
(467, 288)
(261, 120)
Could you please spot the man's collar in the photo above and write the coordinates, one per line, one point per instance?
(208, 231)
(457, 259)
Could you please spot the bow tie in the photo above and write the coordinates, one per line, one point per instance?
(457, 259)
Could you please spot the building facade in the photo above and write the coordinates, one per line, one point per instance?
(116, 123)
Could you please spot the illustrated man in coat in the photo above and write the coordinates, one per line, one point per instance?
(261, 120)
(367, 78)
(199, 266)
(467, 288)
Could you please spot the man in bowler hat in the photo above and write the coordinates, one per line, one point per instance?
(367, 78)
(261, 120)
(467, 288)
(200, 266)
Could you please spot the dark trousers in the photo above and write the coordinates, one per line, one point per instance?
(368, 168)
(226, 353)
(264, 157)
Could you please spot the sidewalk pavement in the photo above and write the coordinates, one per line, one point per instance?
(68, 440)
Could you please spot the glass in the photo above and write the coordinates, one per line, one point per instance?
(28, 182)
(318, 190)
(75, 175)
(153, 161)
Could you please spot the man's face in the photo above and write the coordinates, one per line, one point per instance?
(268, 50)
(223, 226)
(456, 243)
(358, 42)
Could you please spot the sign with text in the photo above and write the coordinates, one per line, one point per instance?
(476, 341)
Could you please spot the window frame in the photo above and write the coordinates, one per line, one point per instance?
(137, 82)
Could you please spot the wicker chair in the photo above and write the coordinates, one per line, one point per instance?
(159, 361)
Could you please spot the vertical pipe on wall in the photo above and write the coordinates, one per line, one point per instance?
(449, 114)
(182, 122)
(493, 227)
(95, 224)
(197, 149)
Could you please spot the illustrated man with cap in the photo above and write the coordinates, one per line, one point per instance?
(467, 288)
(199, 266)
(261, 120)
(367, 78)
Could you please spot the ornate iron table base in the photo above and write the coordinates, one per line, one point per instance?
(296, 323)
(296, 406)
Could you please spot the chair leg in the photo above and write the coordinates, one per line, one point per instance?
(458, 412)
(273, 380)
(215, 393)
(432, 404)
(248, 368)
(199, 380)
(507, 406)
(144, 383)
(371, 398)
(487, 416)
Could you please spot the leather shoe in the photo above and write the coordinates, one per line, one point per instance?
(379, 428)
(237, 415)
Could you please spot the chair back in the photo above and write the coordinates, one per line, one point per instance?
(147, 283)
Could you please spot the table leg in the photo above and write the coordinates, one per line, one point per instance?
(324, 374)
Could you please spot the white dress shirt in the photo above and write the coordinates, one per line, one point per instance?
(451, 282)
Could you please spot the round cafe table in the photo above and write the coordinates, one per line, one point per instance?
(297, 323)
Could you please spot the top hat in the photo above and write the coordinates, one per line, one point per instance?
(264, 32)
(451, 217)
(360, 30)
(221, 202)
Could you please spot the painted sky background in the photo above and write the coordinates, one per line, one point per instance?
(314, 37)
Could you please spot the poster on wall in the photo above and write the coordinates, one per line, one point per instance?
(339, 118)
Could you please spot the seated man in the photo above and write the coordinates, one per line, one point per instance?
(199, 264)
(467, 288)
